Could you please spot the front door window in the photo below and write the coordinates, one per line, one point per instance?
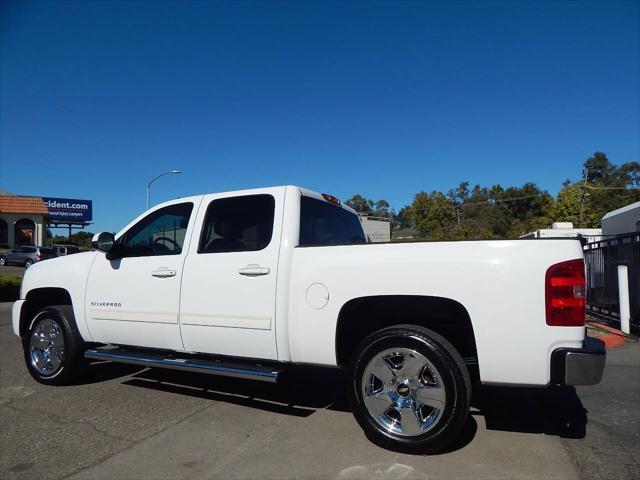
(160, 233)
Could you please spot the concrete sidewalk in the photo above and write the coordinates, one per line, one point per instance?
(612, 337)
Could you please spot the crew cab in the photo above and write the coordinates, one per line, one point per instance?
(247, 283)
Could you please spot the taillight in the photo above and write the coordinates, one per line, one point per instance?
(331, 198)
(565, 288)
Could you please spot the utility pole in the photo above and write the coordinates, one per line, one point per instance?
(585, 174)
(458, 215)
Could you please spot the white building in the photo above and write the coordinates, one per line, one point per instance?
(566, 230)
(376, 229)
(622, 220)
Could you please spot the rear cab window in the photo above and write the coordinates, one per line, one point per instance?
(238, 224)
(323, 223)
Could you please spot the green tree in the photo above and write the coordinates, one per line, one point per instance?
(401, 219)
(599, 169)
(381, 208)
(608, 187)
(360, 204)
(432, 215)
(460, 194)
(498, 212)
(524, 209)
(81, 239)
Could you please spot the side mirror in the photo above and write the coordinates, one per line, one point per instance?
(103, 241)
(13, 250)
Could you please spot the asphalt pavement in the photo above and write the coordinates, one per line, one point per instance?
(130, 422)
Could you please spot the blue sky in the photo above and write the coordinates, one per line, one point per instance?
(379, 98)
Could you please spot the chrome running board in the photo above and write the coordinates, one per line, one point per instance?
(199, 364)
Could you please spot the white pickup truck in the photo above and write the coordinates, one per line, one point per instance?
(247, 283)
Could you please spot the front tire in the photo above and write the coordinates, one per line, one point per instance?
(53, 347)
(409, 389)
(3, 261)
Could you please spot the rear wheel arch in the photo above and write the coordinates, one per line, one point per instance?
(363, 316)
(39, 298)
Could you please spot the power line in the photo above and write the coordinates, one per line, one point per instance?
(589, 187)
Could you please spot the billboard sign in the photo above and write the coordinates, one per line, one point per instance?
(68, 210)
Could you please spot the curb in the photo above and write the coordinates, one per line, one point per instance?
(611, 337)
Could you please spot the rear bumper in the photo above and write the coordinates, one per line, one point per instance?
(579, 366)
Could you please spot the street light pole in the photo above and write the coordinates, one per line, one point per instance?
(175, 172)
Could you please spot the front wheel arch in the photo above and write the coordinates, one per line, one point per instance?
(38, 298)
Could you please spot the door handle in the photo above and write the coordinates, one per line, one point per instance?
(163, 272)
(253, 270)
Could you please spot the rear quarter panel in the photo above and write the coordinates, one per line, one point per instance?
(500, 283)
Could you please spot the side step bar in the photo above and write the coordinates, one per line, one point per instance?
(199, 365)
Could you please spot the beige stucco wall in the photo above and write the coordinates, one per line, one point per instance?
(12, 218)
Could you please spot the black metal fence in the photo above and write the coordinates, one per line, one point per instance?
(602, 259)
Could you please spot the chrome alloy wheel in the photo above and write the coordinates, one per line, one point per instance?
(403, 392)
(47, 347)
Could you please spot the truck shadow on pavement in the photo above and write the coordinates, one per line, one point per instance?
(303, 390)
(551, 411)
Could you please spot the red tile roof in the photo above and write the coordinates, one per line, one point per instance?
(10, 204)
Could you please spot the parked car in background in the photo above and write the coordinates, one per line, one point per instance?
(62, 250)
(26, 255)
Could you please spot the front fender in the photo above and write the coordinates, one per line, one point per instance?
(69, 273)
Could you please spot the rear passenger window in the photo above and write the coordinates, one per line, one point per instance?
(238, 224)
(323, 223)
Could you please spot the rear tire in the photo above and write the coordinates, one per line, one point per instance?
(53, 347)
(28, 263)
(409, 389)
